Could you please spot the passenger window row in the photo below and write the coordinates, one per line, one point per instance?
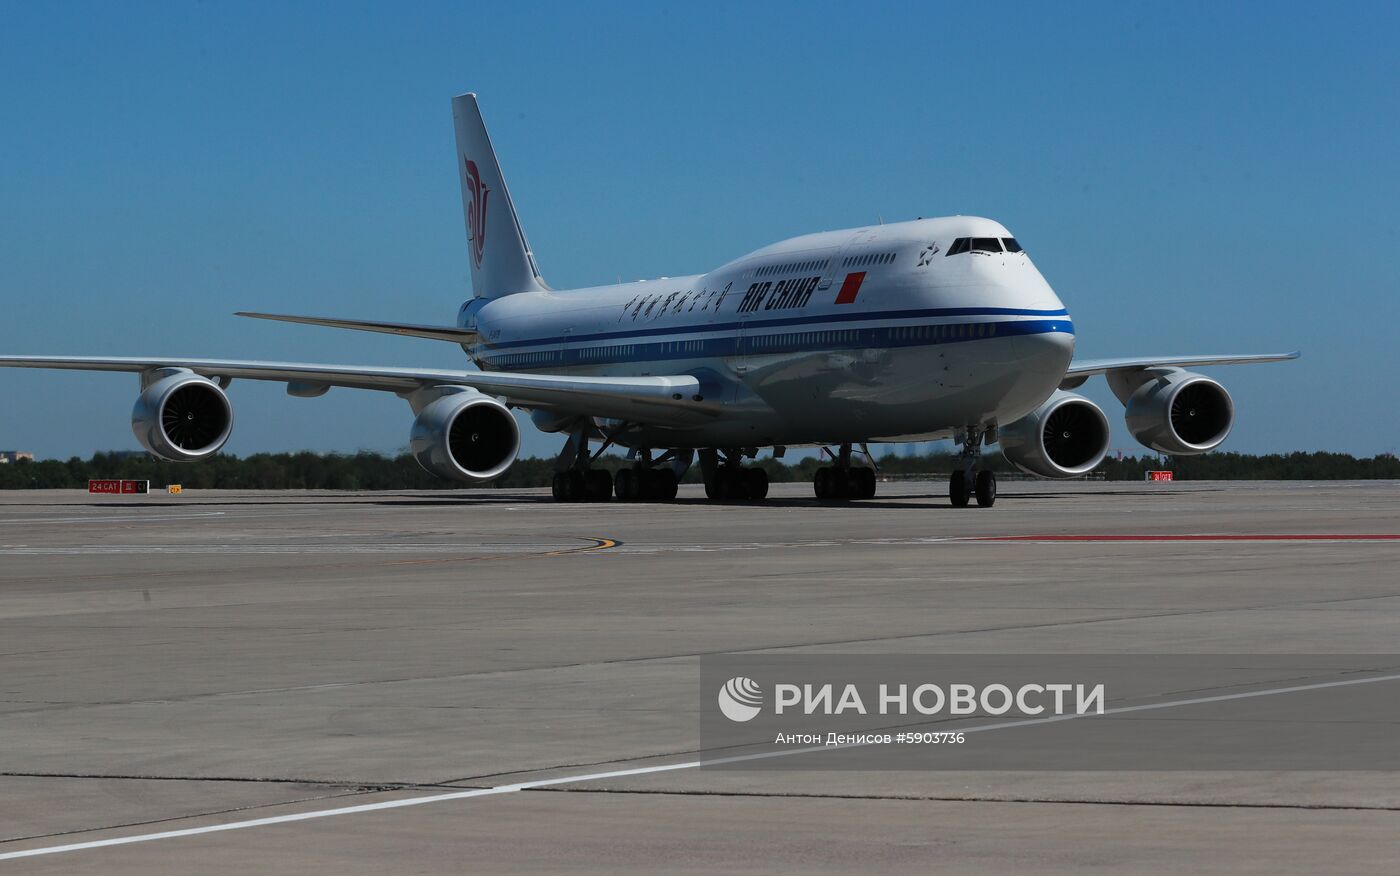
(983, 244)
(792, 268)
(874, 258)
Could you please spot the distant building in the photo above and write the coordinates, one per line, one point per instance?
(8, 456)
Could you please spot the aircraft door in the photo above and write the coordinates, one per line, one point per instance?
(834, 281)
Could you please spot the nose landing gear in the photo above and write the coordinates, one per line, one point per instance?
(967, 481)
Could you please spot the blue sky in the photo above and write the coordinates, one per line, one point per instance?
(1190, 178)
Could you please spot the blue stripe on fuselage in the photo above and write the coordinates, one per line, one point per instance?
(756, 342)
(808, 319)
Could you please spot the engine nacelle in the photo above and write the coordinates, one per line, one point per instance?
(1179, 412)
(465, 436)
(1066, 436)
(182, 417)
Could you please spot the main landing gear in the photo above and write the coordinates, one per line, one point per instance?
(592, 485)
(967, 481)
(639, 483)
(575, 480)
(842, 481)
(728, 480)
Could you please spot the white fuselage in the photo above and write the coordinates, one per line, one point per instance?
(883, 333)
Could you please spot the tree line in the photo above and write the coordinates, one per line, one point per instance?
(376, 471)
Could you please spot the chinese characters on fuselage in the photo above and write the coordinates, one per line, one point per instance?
(661, 303)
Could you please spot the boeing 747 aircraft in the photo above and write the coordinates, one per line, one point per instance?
(912, 331)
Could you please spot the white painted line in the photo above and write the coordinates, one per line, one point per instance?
(634, 771)
(345, 810)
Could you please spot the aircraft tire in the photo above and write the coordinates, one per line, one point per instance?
(571, 486)
(986, 489)
(842, 484)
(959, 491)
(600, 485)
(713, 487)
(624, 485)
(756, 483)
(864, 483)
(666, 484)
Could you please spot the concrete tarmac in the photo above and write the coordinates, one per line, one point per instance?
(177, 664)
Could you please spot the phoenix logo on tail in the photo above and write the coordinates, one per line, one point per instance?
(476, 211)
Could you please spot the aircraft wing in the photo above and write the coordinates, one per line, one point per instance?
(433, 332)
(1082, 369)
(674, 400)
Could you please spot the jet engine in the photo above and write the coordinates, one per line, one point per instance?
(465, 436)
(1064, 437)
(182, 417)
(1178, 412)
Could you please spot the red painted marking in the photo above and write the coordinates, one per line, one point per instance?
(850, 288)
(1347, 536)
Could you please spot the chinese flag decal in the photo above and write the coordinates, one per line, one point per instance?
(850, 288)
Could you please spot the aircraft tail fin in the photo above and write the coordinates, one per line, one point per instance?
(502, 263)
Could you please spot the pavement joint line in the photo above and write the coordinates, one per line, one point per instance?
(598, 544)
(203, 515)
(168, 819)
(927, 798)
(356, 785)
(638, 771)
(648, 658)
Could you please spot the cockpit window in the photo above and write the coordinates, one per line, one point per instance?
(986, 244)
(1011, 244)
(959, 246)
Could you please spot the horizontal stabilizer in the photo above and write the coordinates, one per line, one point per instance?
(434, 332)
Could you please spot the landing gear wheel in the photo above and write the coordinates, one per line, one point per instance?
(556, 486)
(834, 482)
(650, 480)
(841, 484)
(986, 489)
(714, 486)
(732, 481)
(600, 484)
(864, 483)
(637, 484)
(625, 485)
(756, 483)
(959, 490)
(728, 484)
(666, 484)
(570, 486)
